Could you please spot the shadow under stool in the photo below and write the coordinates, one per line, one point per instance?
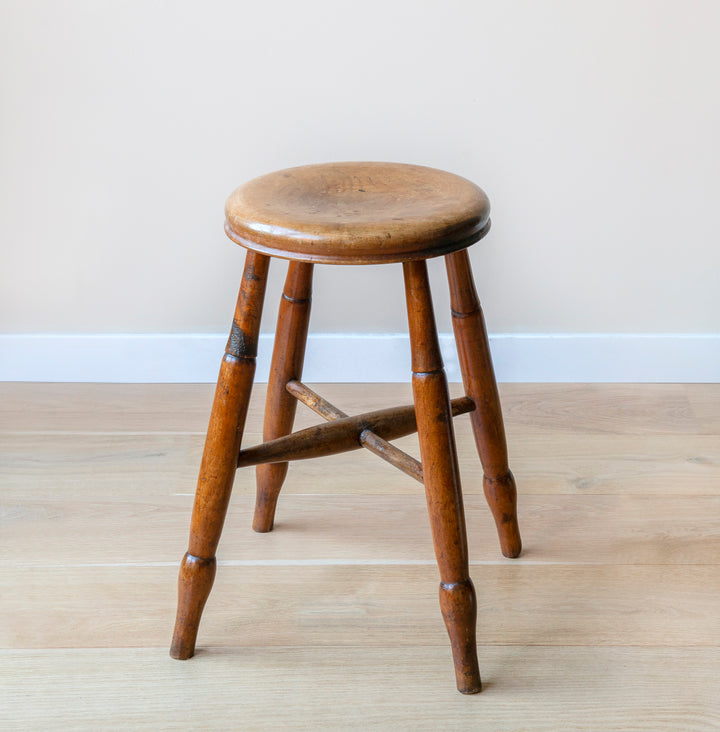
(356, 213)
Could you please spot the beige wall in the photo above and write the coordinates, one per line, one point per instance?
(592, 125)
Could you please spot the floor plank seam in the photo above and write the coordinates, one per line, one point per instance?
(335, 646)
(509, 563)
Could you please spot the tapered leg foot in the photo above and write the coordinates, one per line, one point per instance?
(287, 363)
(270, 479)
(194, 585)
(459, 610)
(501, 495)
(481, 387)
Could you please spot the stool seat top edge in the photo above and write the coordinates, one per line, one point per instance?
(357, 213)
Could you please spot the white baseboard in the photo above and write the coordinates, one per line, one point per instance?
(372, 357)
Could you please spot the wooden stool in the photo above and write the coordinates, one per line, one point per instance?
(356, 213)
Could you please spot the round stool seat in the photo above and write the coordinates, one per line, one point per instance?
(357, 213)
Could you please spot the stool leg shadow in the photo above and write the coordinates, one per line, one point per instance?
(219, 462)
(441, 477)
(280, 406)
(481, 387)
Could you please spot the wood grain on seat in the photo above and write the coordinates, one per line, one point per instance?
(357, 213)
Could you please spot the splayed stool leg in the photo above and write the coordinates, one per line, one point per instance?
(219, 463)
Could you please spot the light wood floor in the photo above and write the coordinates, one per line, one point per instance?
(610, 620)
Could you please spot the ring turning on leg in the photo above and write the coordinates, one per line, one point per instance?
(442, 482)
(217, 470)
(481, 387)
(280, 406)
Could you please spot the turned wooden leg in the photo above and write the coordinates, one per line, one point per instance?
(481, 387)
(442, 483)
(222, 444)
(280, 406)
